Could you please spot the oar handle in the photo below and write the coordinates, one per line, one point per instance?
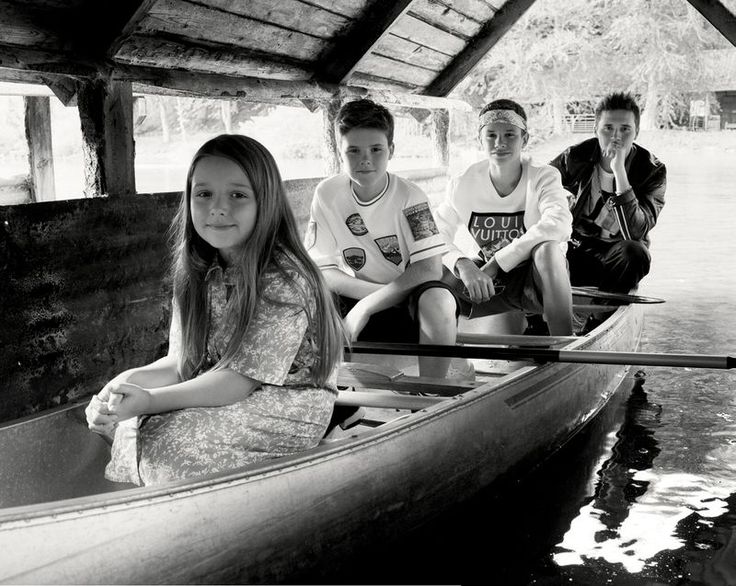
(547, 355)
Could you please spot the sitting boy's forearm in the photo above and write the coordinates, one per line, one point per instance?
(343, 284)
(429, 269)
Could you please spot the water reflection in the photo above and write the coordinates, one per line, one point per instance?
(669, 526)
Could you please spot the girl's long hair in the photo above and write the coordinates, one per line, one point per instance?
(274, 241)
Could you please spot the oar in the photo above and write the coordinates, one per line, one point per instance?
(596, 293)
(547, 355)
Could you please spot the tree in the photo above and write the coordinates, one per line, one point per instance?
(581, 49)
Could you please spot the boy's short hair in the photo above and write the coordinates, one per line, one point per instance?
(618, 101)
(504, 104)
(365, 114)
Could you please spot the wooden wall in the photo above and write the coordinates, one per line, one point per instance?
(84, 292)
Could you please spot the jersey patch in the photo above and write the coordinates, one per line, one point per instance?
(494, 231)
(421, 221)
(310, 238)
(356, 225)
(389, 247)
(355, 257)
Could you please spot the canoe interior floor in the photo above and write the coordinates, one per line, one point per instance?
(386, 388)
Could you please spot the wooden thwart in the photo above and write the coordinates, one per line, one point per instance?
(385, 400)
(374, 376)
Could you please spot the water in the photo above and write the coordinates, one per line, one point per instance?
(647, 495)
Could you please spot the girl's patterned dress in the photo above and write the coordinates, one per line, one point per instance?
(285, 415)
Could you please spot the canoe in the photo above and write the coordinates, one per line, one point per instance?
(61, 522)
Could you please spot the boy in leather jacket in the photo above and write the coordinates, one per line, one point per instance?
(617, 192)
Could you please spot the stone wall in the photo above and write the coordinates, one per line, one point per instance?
(84, 291)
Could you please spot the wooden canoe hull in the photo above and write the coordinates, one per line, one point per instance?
(275, 521)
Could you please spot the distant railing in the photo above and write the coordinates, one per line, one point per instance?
(579, 122)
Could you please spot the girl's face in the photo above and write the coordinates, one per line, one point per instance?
(502, 141)
(223, 204)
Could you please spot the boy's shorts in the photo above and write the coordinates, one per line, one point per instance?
(516, 290)
(399, 323)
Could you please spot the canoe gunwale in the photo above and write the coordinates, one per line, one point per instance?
(135, 497)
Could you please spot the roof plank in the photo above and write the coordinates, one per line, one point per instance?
(357, 40)
(196, 22)
(423, 33)
(444, 16)
(478, 46)
(388, 68)
(411, 52)
(32, 26)
(291, 14)
(719, 16)
(167, 53)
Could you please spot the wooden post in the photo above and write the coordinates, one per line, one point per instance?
(440, 130)
(330, 148)
(106, 115)
(40, 157)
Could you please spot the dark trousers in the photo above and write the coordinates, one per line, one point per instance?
(616, 266)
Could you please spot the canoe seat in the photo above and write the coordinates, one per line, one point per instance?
(376, 376)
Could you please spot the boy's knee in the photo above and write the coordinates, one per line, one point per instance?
(634, 251)
(436, 302)
(548, 256)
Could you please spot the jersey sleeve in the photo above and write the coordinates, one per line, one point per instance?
(448, 222)
(554, 224)
(320, 240)
(420, 231)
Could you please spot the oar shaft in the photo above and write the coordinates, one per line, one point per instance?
(548, 355)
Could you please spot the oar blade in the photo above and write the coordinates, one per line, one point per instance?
(595, 293)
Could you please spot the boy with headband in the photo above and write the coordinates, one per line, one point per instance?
(517, 214)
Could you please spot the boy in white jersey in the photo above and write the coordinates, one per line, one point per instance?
(374, 237)
(517, 213)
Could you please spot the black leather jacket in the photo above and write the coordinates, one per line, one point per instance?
(647, 176)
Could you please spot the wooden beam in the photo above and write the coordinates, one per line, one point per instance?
(719, 16)
(477, 47)
(40, 157)
(440, 133)
(47, 62)
(113, 22)
(330, 147)
(177, 82)
(358, 40)
(64, 88)
(106, 115)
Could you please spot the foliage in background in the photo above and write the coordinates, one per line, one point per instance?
(578, 50)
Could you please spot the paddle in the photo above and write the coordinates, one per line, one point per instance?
(547, 355)
(596, 293)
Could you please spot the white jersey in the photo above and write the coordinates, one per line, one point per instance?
(509, 227)
(374, 240)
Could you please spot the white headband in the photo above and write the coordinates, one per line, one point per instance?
(502, 116)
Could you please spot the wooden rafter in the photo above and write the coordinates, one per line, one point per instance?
(113, 23)
(719, 16)
(178, 82)
(359, 39)
(477, 48)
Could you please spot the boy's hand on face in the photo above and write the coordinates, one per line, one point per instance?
(478, 283)
(615, 156)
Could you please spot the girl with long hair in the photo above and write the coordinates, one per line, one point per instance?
(254, 340)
